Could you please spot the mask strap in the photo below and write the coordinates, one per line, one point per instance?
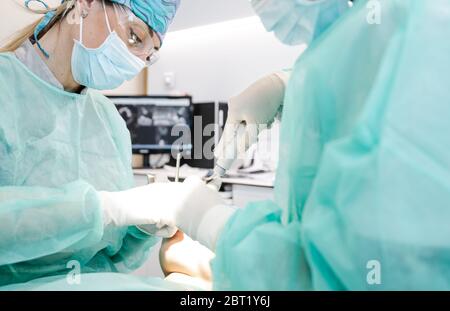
(106, 16)
(81, 29)
(116, 12)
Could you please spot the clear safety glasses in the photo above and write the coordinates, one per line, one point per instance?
(138, 37)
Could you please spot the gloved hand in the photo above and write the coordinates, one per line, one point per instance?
(160, 208)
(150, 208)
(259, 103)
(249, 112)
(204, 213)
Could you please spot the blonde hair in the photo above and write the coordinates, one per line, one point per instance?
(24, 34)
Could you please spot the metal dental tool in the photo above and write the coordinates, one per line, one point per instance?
(234, 141)
(177, 174)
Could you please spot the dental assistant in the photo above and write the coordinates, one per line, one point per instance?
(362, 189)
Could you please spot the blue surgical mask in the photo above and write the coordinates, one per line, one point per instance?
(106, 67)
(298, 21)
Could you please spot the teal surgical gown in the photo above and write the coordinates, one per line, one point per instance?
(363, 185)
(57, 149)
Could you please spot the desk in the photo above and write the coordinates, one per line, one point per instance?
(244, 188)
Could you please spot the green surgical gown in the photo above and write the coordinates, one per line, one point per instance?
(57, 149)
(363, 185)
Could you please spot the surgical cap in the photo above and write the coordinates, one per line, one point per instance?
(157, 14)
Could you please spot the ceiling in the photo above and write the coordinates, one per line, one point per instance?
(194, 13)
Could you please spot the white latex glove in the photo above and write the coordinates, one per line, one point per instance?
(160, 208)
(257, 106)
(204, 213)
(260, 102)
(150, 208)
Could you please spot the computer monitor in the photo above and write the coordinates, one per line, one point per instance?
(209, 120)
(156, 122)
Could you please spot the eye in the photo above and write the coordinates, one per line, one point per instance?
(134, 39)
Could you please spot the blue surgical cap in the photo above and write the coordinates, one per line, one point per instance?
(157, 14)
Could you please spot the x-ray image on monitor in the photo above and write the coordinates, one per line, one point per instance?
(151, 122)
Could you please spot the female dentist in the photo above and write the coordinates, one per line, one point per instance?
(65, 153)
(362, 187)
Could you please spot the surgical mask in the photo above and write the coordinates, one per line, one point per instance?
(106, 67)
(298, 21)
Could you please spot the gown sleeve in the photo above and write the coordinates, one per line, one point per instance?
(255, 240)
(37, 222)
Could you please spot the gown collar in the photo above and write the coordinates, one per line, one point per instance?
(27, 55)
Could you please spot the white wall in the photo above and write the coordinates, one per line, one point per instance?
(217, 61)
(216, 48)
